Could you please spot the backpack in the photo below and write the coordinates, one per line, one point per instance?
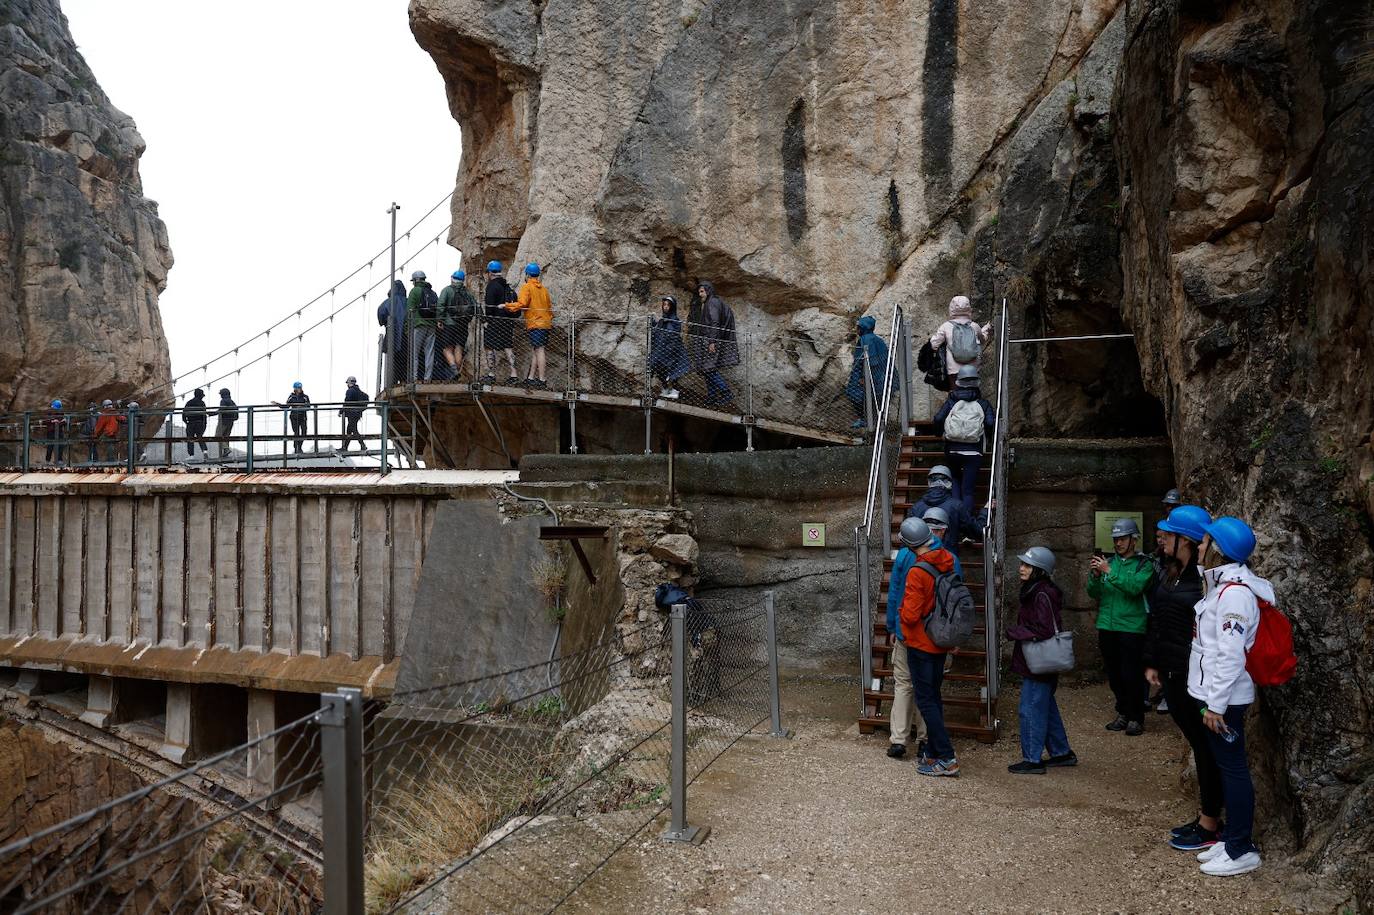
(1270, 661)
(931, 361)
(964, 424)
(963, 343)
(950, 622)
(429, 301)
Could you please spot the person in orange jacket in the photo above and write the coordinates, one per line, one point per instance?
(534, 301)
(107, 427)
(925, 659)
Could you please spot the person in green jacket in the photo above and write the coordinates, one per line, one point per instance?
(1119, 585)
(456, 308)
(422, 312)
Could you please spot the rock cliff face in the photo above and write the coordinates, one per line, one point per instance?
(816, 161)
(1244, 134)
(83, 254)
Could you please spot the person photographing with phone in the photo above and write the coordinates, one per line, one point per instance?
(1226, 622)
(1119, 585)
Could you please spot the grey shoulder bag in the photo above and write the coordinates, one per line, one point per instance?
(1053, 655)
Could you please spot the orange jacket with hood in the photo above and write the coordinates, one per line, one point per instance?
(919, 599)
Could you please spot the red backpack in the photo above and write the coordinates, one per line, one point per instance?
(1270, 661)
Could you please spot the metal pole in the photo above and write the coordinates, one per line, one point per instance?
(572, 423)
(249, 461)
(391, 321)
(748, 392)
(342, 807)
(386, 429)
(868, 392)
(678, 830)
(904, 366)
(24, 458)
(131, 419)
(774, 693)
(648, 385)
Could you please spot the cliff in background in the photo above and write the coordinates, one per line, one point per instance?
(83, 254)
(816, 162)
(1245, 133)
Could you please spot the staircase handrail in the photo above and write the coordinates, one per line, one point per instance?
(994, 529)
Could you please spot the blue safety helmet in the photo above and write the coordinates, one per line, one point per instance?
(531, 270)
(297, 385)
(1187, 521)
(459, 275)
(57, 404)
(1233, 537)
(494, 267)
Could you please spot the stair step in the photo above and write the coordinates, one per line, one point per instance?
(979, 732)
(977, 654)
(956, 676)
(975, 702)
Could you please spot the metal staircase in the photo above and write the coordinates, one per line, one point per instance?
(972, 681)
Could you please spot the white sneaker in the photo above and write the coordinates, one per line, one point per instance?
(670, 394)
(1210, 852)
(1226, 866)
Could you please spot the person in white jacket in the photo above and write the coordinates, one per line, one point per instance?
(1223, 632)
(964, 345)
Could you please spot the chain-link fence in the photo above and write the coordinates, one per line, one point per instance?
(502, 793)
(231, 833)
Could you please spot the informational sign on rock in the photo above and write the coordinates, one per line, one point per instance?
(1102, 528)
(813, 534)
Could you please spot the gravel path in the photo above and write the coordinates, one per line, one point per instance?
(826, 822)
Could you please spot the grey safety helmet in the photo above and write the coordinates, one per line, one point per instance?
(1172, 498)
(968, 377)
(351, 380)
(915, 533)
(1039, 557)
(936, 517)
(939, 470)
(1125, 527)
(417, 275)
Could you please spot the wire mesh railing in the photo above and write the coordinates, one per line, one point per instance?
(227, 834)
(501, 793)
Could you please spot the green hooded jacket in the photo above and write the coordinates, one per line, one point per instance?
(413, 304)
(456, 303)
(1121, 593)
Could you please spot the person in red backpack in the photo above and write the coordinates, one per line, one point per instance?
(1226, 621)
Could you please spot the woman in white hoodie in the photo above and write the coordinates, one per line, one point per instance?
(962, 338)
(1224, 631)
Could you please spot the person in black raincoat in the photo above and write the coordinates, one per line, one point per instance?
(667, 354)
(395, 304)
(498, 324)
(717, 345)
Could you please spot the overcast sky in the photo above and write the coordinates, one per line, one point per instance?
(278, 133)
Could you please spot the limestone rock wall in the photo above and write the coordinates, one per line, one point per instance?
(1244, 137)
(817, 161)
(83, 254)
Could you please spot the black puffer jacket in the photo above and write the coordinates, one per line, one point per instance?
(1169, 626)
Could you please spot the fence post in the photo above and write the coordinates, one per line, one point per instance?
(341, 745)
(904, 366)
(648, 384)
(386, 427)
(748, 392)
(774, 693)
(678, 830)
(865, 619)
(24, 457)
(131, 421)
(248, 461)
(868, 392)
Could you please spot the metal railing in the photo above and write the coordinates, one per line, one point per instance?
(995, 529)
(878, 496)
(790, 383)
(504, 792)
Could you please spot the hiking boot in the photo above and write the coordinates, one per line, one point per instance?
(948, 768)
(1068, 759)
(1134, 729)
(1163, 707)
(896, 750)
(513, 381)
(922, 754)
(670, 394)
(1224, 865)
(1118, 723)
(1207, 854)
(1195, 839)
(1026, 767)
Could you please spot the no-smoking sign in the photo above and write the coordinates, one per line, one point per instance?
(813, 534)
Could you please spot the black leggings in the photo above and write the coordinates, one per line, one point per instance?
(1121, 652)
(1183, 708)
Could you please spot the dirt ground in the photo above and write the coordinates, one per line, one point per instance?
(826, 822)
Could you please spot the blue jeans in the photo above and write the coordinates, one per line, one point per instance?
(1041, 726)
(716, 388)
(927, 673)
(1236, 786)
(965, 468)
